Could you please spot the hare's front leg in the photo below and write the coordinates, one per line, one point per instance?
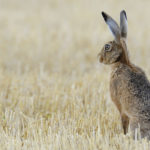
(125, 122)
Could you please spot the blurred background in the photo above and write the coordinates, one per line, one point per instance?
(54, 94)
(64, 36)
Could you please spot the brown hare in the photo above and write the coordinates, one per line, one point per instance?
(129, 86)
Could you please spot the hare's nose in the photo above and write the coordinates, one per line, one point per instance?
(101, 59)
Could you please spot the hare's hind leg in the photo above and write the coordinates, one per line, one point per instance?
(125, 122)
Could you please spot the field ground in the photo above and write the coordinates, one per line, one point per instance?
(54, 94)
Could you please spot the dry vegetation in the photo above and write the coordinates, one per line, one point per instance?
(53, 92)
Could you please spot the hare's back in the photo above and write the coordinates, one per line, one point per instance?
(139, 86)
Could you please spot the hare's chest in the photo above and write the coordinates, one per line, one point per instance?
(118, 86)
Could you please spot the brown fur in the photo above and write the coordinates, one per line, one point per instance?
(129, 87)
(130, 91)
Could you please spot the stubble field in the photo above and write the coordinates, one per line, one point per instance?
(54, 94)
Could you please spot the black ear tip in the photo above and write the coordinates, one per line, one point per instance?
(104, 16)
(124, 12)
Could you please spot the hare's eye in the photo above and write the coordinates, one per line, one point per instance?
(107, 47)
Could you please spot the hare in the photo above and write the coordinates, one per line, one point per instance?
(129, 86)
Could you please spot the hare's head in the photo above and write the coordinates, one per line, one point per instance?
(115, 50)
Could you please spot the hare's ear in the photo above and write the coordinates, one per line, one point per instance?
(113, 26)
(123, 24)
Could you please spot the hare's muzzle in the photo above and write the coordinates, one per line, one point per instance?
(100, 58)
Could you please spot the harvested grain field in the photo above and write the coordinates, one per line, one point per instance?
(54, 94)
